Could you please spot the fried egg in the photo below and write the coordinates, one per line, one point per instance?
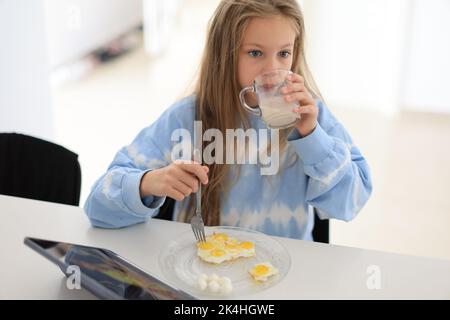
(262, 271)
(219, 247)
(216, 255)
(219, 237)
(233, 248)
(204, 248)
(247, 249)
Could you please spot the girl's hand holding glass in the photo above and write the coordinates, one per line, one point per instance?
(297, 91)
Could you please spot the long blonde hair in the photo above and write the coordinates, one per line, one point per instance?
(217, 88)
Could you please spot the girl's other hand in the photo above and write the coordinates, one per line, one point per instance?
(296, 91)
(177, 181)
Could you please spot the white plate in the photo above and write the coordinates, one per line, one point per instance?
(181, 265)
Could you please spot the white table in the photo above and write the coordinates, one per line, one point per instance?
(318, 271)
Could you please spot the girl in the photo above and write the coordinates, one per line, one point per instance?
(320, 167)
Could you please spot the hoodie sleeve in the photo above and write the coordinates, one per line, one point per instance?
(114, 200)
(339, 182)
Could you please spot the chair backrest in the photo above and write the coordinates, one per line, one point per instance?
(37, 169)
(320, 231)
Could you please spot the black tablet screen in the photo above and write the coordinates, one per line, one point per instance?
(106, 268)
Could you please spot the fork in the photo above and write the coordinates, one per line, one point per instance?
(198, 227)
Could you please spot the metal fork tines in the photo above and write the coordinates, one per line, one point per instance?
(198, 227)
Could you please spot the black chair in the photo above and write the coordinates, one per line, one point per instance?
(321, 231)
(37, 169)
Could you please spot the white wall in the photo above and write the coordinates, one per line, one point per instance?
(385, 55)
(355, 49)
(76, 27)
(159, 20)
(427, 74)
(24, 83)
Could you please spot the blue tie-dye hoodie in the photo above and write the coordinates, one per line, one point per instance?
(324, 170)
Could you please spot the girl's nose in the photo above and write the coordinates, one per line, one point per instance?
(272, 64)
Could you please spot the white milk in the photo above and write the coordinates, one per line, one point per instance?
(276, 112)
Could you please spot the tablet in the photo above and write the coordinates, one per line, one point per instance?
(104, 273)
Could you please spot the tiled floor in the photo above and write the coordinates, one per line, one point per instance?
(409, 155)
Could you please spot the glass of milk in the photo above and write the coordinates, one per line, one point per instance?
(275, 111)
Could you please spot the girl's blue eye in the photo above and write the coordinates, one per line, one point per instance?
(284, 54)
(255, 53)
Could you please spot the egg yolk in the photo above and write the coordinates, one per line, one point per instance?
(247, 245)
(232, 241)
(205, 245)
(218, 253)
(220, 237)
(260, 270)
(231, 246)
